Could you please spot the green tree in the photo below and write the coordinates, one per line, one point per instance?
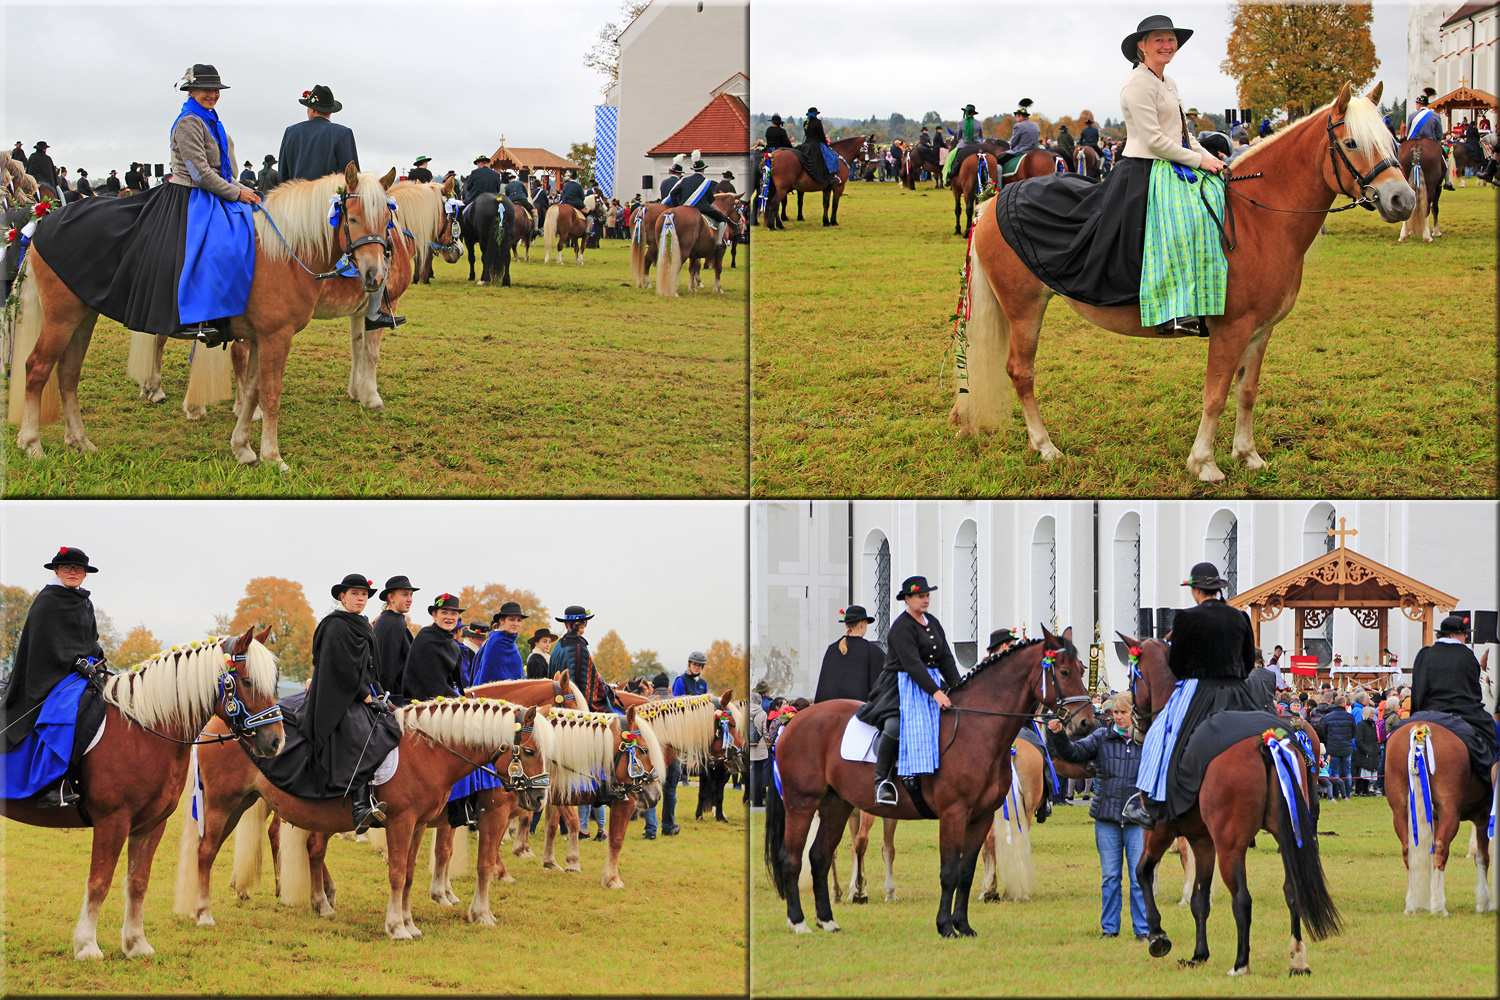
(611, 658)
(281, 605)
(138, 645)
(646, 663)
(582, 153)
(15, 602)
(932, 118)
(604, 56)
(1298, 55)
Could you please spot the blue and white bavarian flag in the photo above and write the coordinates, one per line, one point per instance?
(918, 752)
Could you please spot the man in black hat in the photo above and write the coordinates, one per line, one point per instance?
(1001, 640)
(696, 191)
(572, 192)
(814, 141)
(112, 182)
(776, 137)
(915, 646)
(673, 178)
(1424, 123)
(247, 175)
(58, 638)
(1089, 134)
(134, 178)
(483, 179)
(850, 665)
(419, 171)
(538, 665)
(318, 146)
(40, 166)
(726, 183)
(433, 666)
(269, 175)
(393, 631)
(1213, 649)
(1065, 142)
(1445, 678)
(572, 654)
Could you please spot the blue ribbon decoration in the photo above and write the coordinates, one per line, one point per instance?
(1281, 755)
(765, 180)
(1183, 172)
(775, 772)
(1047, 756)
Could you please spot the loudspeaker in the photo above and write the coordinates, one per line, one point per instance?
(1164, 618)
(159, 171)
(1143, 623)
(647, 182)
(1485, 626)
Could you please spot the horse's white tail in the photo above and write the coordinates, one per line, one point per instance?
(24, 335)
(377, 840)
(638, 253)
(249, 838)
(142, 359)
(1014, 864)
(210, 380)
(458, 861)
(296, 875)
(549, 236)
(185, 900)
(669, 260)
(804, 878)
(1416, 225)
(985, 397)
(1419, 868)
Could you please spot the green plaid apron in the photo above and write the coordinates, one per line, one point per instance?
(1183, 270)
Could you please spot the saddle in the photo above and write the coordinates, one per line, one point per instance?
(1481, 756)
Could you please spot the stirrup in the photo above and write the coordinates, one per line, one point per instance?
(384, 321)
(885, 792)
(1134, 811)
(56, 797)
(1190, 326)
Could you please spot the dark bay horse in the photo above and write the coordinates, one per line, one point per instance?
(132, 780)
(1422, 164)
(1240, 796)
(1289, 184)
(489, 224)
(989, 705)
(787, 176)
(1086, 162)
(525, 231)
(55, 326)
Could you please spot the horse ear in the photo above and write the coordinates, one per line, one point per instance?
(1342, 103)
(448, 186)
(724, 700)
(388, 179)
(1129, 641)
(1068, 633)
(261, 638)
(1374, 96)
(351, 177)
(529, 719)
(243, 642)
(1047, 634)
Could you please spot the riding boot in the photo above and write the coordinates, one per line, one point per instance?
(1134, 811)
(55, 796)
(885, 770)
(197, 331)
(1183, 325)
(368, 811)
(458, 813)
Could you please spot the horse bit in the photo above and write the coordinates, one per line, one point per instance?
(640, 775)
(339, 216)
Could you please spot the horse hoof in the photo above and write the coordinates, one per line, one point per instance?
(831, 926)
(991, 897)
(860, 899)
(485, 919)
(325, 911)
(453, 899)
(1243, 970)
(139, 949)
(948, 932)
(207, 920)
(574, 867)
(157, 397)
(1160, 947)
(412, 930)
(441, 898)
(552, 866)
(1190, 963)
(480, 284)
(801, 928)
(34, 450)
(90, 950)
(890, 897)
(398, 934)
(1050, 453)
(1299, 972)
(1210, 474)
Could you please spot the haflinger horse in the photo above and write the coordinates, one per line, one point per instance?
(442, 741)
(489, 223)
(131, 779)
(1244, 790)
(425, 222)
(55, 326)
(787, 175)
(707, 731)
(727, 757)
(566, 226)
(1422, 163)
(811, 776)
(1281, 192)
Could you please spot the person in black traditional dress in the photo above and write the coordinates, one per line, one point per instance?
(538, 662)
(39, 165)
(484, 179)
(851, 665)
(776, 137)
(419, 171)
(915, 644)
(814, 141)
(1212, 653)
(572, 654)
(1445, 678)
(60, 634)
(673, 178)
(392, 633)
(696, 191)
(269, 176)
(434, 662)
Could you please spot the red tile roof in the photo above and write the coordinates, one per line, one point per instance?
(1463, 12)
(723, 126)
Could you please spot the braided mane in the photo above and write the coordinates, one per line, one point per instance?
(684, 723)
(990, 661)
(467, 725)
(582, 751)
(178, 687)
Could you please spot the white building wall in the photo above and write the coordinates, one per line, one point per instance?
(1424, 48)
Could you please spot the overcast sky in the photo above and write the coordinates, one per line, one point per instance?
(879, 56)
(669, 576)
(446, 80)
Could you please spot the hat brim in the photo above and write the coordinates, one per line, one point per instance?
(580, 618)
(435, 608)
(200, 86)
(1217, 583)
(387, 593)
(1127, 46)
(308, 102)
(339, 588)
(55, 565)
(915, 593)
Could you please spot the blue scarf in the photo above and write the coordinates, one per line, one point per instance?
(215, 129)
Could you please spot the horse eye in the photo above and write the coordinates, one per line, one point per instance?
(1350, 143)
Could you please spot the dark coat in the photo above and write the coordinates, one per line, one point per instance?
(911, 648)
(776, 138)
(1212, 640)
(725, 186)
(40, 166)
(419, 174)
(345, 670)
(316, 148)
(541, 203)
(433, 666)
(134, 180)
(269, 178)
(393, 642)
(247, 178)
(483, 180)
(1262, 685)
(1338, 732)
(1116, 760)
(812, 132)
(59, 629)
(84, 188)
(572, 654)
(683, 191)
(537, 667)
(1089, 136)
(851, 674)
(571, 194)
(1366, 744)
(516, 192)
(668, 184)
(1445, 678)
(112, 185)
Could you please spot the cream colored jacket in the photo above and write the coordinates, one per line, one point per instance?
(195, 159)
(1154, 121)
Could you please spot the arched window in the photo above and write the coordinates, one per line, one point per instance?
(1222, 548)
(965, 579)
(1127, 580)
(1044, 574)
(877, 583)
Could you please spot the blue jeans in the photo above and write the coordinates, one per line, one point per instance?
(583, 818)
(1338, 771)
(1120, 843)
(669, 795)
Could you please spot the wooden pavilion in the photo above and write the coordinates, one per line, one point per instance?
(1464, 99)
(534, 160)
(1342, 578)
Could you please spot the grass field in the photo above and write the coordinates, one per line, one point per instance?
(678, 926)
(1050, 944)
(572, 382)
(1380, 383)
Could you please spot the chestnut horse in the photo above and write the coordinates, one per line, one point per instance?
(1286, 186)
(425, 222)
(787, 176)
(705, 730)
(969, 184)
(525, 231)
(1432, 791)
(811, 776)
(1240, 796)
(442, 741)
(132, 779)
(55, 326)
(566, 226)
(1086, 162)
(1422, 164)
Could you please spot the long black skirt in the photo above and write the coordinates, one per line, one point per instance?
(344, 762)
(1083, 239)
(1213, 694)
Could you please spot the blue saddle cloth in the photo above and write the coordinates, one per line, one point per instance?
(43, 757)
(478, 781)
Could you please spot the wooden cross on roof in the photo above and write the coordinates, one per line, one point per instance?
(1341, 532)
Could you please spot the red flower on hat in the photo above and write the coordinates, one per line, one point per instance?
(370, 584)
(62, 550)
(307, 93)
(443, 597)
(12, 234)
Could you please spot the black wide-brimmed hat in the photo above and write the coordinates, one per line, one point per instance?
(854, 613)
(775, 119)
(41, 145)
(420, 160)
(320, 98)
(510, 609)
(540, 634)
(482, 159)
(969, 110)
(1205, 576)
(675, 168)
(812, 112)
(729, 174)
(1025, 103)
(914, 585)
(476, 628)
(1001, 635)
(350, 582)
(270, 159)
(1453, 624)
(69, 556)
(575, 613)
(202, 76)
(397, 583)
(447, 602)
(1156, 22)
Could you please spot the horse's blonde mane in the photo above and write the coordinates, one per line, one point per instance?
(1362, 123)
(467, 725)
(419, 210)
(685, 723)
(581, 749)
(741, 718)
(300, 210)
(177, 688)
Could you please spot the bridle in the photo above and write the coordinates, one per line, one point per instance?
(1364, 179)
(242, 723)
(638, 775)
(451, 223)
(339, 218)
(1048, 670)
(725, 728)
(515, 779)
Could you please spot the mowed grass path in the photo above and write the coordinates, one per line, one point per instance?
(678, 926)
(1050, 944)
(1381, 382)
(572, 382)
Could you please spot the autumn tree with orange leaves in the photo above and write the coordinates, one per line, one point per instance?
(137, 645)
(1299, 55)
(280, 604)
(611, 658)
(483, 603)
(728, 667)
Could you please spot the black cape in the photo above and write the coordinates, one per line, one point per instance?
(432, 666)
(851, 674)
(392, 643)
(776, 138)
(365, 737)
(1445, 678)
(419, 174)
(59, 629)
(538, 667)
(345, 670)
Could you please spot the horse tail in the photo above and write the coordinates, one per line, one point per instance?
(248, 849)
(1013, 860)
(985, 396)
(805, 873)
(549, 236)
(669, 267)
(142, 358)
(26, 332)
(296, 874)
(1300, 861)
(210, 379)
(1420, 844)
(1417, 223)
(185, 900)
(638, 253)
(775, 838)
